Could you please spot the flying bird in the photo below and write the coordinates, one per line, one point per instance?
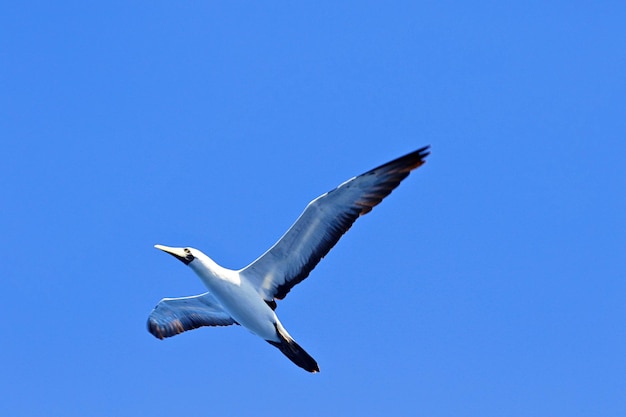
(247, 297)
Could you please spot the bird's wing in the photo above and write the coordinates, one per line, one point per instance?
(322, 223)
(172, 316)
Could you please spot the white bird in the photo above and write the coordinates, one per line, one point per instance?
(248, 296)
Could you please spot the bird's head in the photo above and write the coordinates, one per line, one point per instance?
(185, 255)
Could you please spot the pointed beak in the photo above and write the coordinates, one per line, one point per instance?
(178, 253)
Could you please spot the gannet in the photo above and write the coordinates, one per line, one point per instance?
(247, 297)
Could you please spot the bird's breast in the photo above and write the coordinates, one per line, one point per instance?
(242, 302)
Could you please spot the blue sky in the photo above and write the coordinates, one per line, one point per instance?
(490, 283)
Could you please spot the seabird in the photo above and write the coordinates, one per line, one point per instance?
(247, 297)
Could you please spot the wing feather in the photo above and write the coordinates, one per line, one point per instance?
(172, 316)
(321, 225)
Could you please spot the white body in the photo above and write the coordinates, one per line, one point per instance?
(237, 296)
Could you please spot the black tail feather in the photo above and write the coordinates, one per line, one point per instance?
(295, 353)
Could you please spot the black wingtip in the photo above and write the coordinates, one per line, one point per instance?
(404, 164)
(154, 329)
(424, 152)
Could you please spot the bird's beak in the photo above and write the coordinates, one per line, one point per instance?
(178, 253)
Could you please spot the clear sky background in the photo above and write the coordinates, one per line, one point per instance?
(492, 282)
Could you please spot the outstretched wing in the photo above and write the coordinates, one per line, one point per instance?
(321, 225)
(172, 316)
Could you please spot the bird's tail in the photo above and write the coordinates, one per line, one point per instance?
(294, 352)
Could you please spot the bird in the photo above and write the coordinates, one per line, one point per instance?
(247, 297)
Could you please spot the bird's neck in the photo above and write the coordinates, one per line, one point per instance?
(211, 273)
